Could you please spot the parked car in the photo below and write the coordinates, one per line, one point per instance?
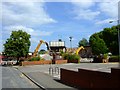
(10, 62)
(14, 61)
(4, 62)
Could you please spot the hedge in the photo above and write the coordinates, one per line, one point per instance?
(114, 59)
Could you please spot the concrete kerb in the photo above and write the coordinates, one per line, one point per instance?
(40, 86)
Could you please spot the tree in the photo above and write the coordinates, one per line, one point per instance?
(17, 45)
(97, 44)
(42, 51)
(83, 42)
(110, 36)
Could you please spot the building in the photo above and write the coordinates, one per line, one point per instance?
(57, 46)
(84, 53)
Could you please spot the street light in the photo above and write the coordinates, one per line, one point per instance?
(70, 42)
(118, 24)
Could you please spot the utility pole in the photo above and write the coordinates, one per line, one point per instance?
(119, 30)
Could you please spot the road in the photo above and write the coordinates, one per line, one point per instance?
(13, 78)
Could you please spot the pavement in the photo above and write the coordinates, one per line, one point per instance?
(45, 80)
(43, 76)
(12, 78)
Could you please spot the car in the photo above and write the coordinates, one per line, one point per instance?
(10, 62)
(4, 63)
(14, 62)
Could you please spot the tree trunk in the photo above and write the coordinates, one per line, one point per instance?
(17, 60)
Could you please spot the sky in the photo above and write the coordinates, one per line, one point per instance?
(51, 20)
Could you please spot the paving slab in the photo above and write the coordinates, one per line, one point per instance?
(47, 82)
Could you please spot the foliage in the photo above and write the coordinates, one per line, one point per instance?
(114, 58)
(62, 53)
(83, 42)
(98, 45)
(71, 56)
(65, 55)
(110, 38)
(17, 45)
(105, 56)
(35, 59)
(42, 51)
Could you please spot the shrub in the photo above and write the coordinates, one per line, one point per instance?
(35, 59)
(65, 55)
(71, 57)
(105, 56)
(114, 59)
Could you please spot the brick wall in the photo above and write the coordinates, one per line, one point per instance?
(91, 79)
(73, 61)
(42, 62)
(60, 61)
(36, 62)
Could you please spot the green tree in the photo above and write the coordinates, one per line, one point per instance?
(17, 45)
(42, 51)
(83, 42)
(110, 36)
(97, 44)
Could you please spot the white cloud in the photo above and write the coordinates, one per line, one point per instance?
(84, 9)
(83, 4)
(86, 14)
(109, 8)
(25, 13)
(31, 31)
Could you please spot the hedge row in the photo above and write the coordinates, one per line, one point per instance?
(114, 59)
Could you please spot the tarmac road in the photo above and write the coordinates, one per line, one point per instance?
(13, 78)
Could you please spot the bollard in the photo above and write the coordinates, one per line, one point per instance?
(56, 70)
(51, 70)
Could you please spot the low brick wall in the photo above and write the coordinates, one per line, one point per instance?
(96, 79)
(91, 79)
(60, 61)
(42, 62)
(36, 62)
(73, 61)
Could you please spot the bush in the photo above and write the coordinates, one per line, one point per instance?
(35, 59)
(114, 59)
(71, 57)
(105, 56)
(65, 55)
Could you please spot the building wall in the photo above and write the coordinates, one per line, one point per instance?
(91, 79)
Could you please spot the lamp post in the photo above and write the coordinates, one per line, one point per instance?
(70, 42)
(118, 24)
(119, 40)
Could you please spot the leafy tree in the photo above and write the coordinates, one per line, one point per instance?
(42, 51)
(83, 42)
(98, 45)
(17, 45)
(110, 36)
